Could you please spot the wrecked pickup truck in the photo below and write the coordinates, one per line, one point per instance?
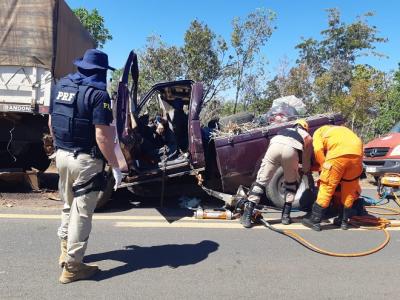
(224, 162)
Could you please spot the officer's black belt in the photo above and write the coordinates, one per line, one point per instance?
(94, 152)
(95, 183)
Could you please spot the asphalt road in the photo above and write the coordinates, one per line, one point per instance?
(144, 256)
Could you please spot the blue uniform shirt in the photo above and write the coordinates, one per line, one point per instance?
(100, 105)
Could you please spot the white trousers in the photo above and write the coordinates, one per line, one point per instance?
(76, 215)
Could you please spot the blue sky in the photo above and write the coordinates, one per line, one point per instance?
(131, 21)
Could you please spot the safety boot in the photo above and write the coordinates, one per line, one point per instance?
(346, 217)
(77, 271)
(63, 255)
(314, 221)
(338, 220)
(245, 219)
(286, 220)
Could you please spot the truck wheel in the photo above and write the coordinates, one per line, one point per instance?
(38, 158)
(275, 191)
(105, 194)
(239, 118)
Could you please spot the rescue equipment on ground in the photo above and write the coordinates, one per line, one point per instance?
(222, 214)
(368, 222)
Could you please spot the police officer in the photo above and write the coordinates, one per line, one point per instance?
(80, 117)
(289, 147)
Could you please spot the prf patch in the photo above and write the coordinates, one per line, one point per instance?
(64, 96)
(107, 106)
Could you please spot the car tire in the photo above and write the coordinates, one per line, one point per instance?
(106, 193)
(239, 118)
(276, 194)
(275, 191)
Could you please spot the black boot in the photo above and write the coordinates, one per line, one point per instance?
(245, 219)
(286, 220)
(314, 222)
(338, 220)
(345, 221)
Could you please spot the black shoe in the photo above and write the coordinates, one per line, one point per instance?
(314, 221)
(345, 225)
(286, 220)
(245, 219)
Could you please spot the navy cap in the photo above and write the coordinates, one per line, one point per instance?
(93, 59)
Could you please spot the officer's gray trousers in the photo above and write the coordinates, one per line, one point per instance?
(277, 155)
(76, 216)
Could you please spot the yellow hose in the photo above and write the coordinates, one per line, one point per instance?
(365, 222)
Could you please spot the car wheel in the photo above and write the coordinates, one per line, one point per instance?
(275, 192)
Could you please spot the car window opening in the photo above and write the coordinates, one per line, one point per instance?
(163, 126)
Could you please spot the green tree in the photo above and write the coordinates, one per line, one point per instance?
(297, 81)
(248, 36)
(228, 108)
(335, 76)
(212, 110)
(94, 23)
(159, 62)
(369, 88)
(341, 44)
(389, 108)
(205, 59)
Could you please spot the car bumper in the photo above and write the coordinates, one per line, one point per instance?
(379, 167)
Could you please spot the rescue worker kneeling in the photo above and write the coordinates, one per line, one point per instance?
(289, 147)
(338, 151)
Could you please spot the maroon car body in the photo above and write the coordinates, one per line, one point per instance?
(225, 162)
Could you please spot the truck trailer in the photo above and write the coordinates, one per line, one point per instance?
(39, 40)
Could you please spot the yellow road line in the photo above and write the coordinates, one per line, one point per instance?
(180, 222)
(219, 225)
(28, 216)
(97, 217)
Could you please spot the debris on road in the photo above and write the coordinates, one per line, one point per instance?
(187, 202)
(6, 203)
(53, 196)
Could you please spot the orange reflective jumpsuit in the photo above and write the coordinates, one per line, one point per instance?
(338, 151)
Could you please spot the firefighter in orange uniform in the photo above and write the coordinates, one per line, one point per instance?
(338, 151)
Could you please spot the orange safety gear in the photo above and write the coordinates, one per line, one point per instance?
(331, 141)
(303, 123)
(338, 151)
(344, 170)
